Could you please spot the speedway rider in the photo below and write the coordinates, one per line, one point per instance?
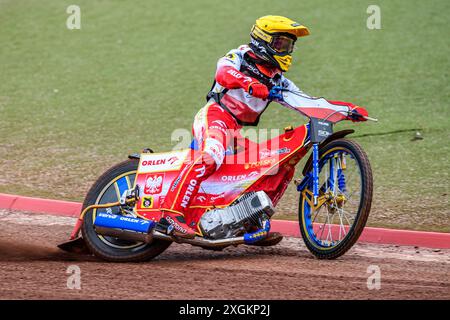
(238, 97)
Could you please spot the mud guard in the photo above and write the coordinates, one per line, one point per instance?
(334, 136)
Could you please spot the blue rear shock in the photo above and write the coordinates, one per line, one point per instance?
(341, 180)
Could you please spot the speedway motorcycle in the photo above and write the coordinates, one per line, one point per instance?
(120, 219)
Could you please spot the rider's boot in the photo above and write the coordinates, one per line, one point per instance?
(179, 228)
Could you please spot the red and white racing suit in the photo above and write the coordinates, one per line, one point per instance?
(229, 107)
(212, 130)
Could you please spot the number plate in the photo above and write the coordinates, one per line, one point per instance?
(320, 130)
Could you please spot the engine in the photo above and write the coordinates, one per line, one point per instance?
(234, 220)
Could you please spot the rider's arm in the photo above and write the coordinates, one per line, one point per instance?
(305, 100)
(229, 76)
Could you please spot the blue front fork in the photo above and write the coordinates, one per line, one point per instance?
(315, 175)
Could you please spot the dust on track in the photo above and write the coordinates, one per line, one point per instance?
(32, 267)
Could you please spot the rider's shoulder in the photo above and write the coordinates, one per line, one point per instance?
(237, 53)
(244, 48)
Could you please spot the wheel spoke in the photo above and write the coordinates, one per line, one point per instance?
(341, 227)
(317, 213)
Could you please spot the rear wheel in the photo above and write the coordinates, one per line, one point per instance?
(107, 189)
(334, 224)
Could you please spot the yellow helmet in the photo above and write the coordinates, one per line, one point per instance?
(273, 39)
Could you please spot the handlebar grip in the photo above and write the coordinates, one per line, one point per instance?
(275, 93)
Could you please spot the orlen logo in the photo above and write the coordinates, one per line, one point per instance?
(156, 162)
(152, 163)
(172, 160)
(239, 177)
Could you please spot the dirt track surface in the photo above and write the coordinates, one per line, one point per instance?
(32, 267)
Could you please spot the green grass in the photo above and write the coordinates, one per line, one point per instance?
(74, 102)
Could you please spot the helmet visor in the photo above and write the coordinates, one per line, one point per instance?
(282, 44)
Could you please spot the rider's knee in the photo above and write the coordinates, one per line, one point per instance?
(214, 152)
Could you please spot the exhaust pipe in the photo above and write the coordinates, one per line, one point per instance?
(125, 234)
(122, 227)
(200, 242)
(136, 229)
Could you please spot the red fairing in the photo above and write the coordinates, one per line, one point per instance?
(231, 78)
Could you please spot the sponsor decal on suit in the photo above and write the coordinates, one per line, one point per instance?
(175, 224)
(188, 194)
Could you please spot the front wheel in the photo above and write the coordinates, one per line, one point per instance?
(107, 189)
(331, 227)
